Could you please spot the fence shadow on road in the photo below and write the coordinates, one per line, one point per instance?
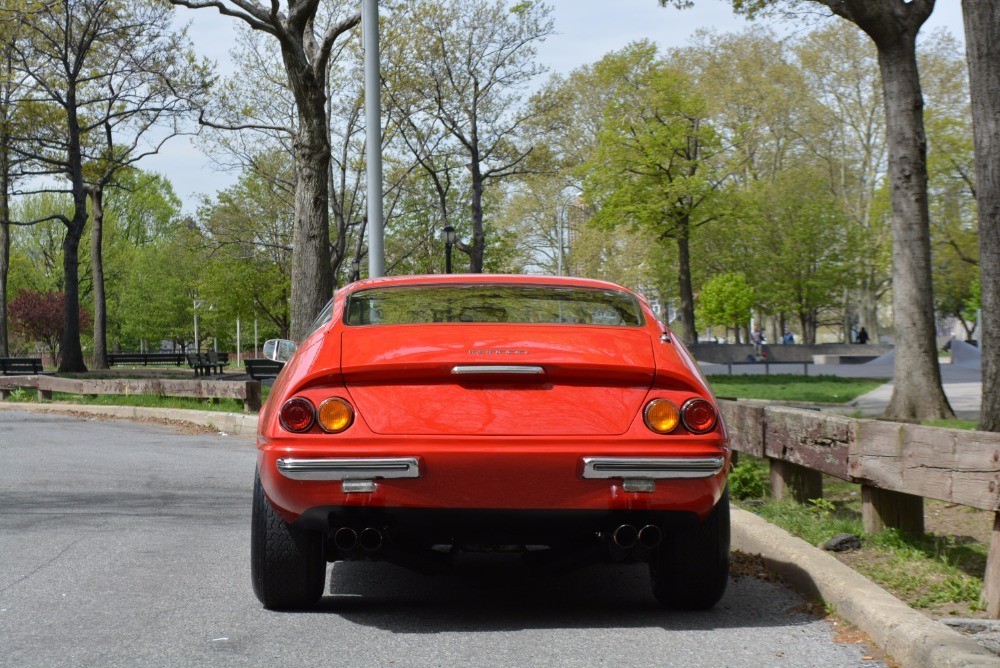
(497, 593)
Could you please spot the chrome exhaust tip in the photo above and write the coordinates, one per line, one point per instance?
(371, 539)
(650, 536)
(625, 536)
(346, 539)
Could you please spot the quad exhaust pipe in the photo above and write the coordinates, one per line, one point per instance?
(650, 536)
(627, 539)
(350, 541)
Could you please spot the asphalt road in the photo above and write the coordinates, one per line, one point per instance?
(126, 544)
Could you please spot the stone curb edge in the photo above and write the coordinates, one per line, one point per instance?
(234, 424)
(908, 636)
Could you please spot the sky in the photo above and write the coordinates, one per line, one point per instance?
(585, 31)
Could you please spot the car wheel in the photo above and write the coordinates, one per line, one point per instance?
(690, 570)
(286, 563)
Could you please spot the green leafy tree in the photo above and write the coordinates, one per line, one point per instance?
(726, 300)
(658, 163)
(103, 74)
(307, 40)
(892, 26)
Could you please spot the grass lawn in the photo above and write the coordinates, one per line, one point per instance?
(789, 387)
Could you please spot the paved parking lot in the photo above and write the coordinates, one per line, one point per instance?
(126, 544)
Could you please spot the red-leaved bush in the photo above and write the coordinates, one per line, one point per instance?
(40, 316)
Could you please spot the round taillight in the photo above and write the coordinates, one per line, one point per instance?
(661, 416)
(334, 415)
(698, 415)
(297, 415)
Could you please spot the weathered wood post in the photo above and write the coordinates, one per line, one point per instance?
(885, 509)
(794, 482)
(991, 579)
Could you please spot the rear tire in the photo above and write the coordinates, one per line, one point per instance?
(691, 569)
(286, 563)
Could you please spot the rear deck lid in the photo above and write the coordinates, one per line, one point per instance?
(465, 362)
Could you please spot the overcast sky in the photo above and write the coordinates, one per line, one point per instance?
(585, 31)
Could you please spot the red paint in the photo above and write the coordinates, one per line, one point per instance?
(512, 442)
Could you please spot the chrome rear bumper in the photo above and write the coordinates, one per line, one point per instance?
(355, 468)
(652, 467)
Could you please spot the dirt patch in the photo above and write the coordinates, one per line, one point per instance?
(964, 523)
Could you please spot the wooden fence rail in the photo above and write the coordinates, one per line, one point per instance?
(247, 390)
(896, 464)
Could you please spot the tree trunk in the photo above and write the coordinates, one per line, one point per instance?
(97, 270)
(478, 234)
(71, 353)
(982, 36)
(917, 392)
(684, 282)
(311, 275)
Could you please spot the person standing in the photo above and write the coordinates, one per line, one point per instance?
(788, 338)
(758, 342)
(862, 336)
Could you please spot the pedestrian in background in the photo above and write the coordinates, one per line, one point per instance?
(758, 342)
(862, 336)
(788, 337)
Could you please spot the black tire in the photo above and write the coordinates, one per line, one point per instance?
(690, 569)
(286, 564)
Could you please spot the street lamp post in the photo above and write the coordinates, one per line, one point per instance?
(197, 303)
(450, 238)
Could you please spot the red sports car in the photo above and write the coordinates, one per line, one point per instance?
(424, 416)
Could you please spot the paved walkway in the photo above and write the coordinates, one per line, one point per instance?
(965, 399)
(962, 385)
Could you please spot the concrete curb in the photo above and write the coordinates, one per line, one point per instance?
(234, 424)
(910, 637)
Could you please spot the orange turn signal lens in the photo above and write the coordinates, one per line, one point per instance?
(335, 415)
(661, 415)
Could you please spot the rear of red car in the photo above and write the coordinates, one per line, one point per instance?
(432, 415)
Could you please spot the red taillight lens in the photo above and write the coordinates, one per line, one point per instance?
(297, 415)
(698, 416)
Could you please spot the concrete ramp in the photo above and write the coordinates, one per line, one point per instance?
(966, 355)
(888, 360)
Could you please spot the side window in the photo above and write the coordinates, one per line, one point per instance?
(321, 319)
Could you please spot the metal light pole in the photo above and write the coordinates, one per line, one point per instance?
(197, 303)
(450, 238)
(373, 134)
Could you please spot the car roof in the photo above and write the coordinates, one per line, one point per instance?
(480, 279)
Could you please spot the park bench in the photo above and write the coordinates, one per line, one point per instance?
(16, 366)
(144, 359)
(217, 361)
(199, 363)
(262, 368)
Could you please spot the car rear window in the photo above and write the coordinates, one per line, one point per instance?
(492, 303)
